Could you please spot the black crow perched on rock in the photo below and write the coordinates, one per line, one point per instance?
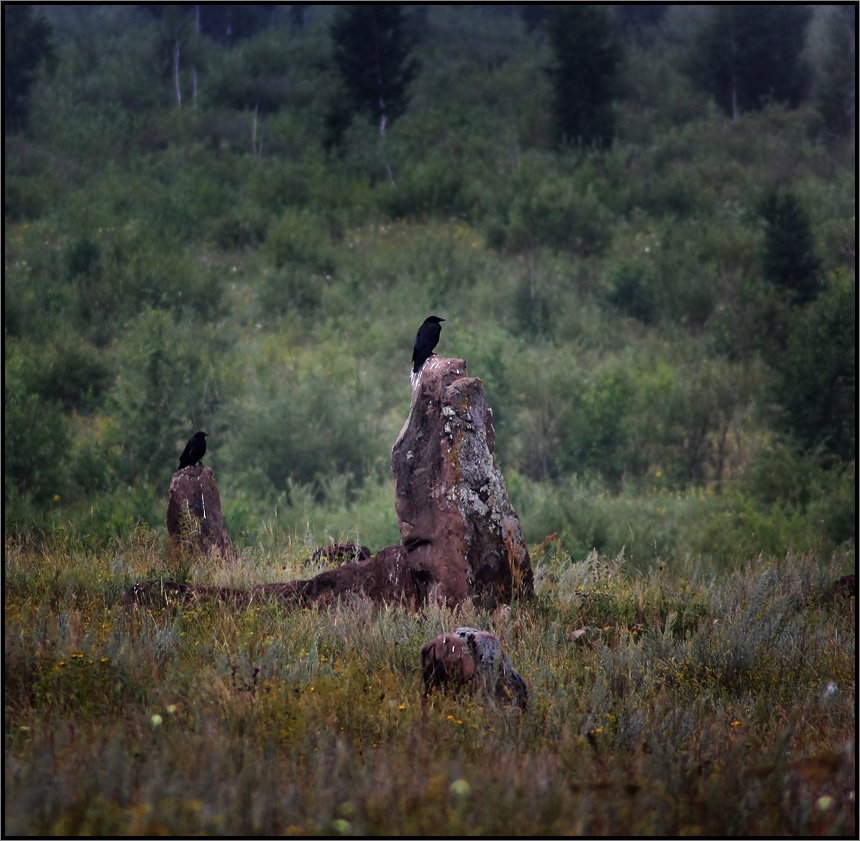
(194, 450)
(425, 341)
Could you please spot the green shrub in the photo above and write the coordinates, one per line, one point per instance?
(631, 291)
(240, 228)
(166, 388)
(816, 377)
(299, 239)
(784, 477)
(68, 370)
(430, 188)
(290, 289)
(306, 430)
(789, 260)
(537, 207)
(35, 440)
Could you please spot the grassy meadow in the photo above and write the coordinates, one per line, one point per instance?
(696, 705)
(205, 229)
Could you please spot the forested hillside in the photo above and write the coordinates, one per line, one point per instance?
(637, 221)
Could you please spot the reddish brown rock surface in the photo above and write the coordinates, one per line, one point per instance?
(383, 578)
(194, 519)
(461, 534)
(473, 660)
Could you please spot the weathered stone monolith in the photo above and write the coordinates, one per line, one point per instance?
(194, 519)
(462, 536)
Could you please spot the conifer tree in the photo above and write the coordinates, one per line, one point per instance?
(816, 376)
(789, 259)
(372, 54)
(26, 44)
(748, 54)
(836, 93)
(584, 72)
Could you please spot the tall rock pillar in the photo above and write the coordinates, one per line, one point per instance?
(461, 535)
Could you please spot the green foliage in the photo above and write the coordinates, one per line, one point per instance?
(255, 76)
(67, 369)
(313, 426)
(586, 57)
(663, 275)
(748, 55)
(27, 44)
(792, 503)
(817, 375)
(789, 260)
(35, 439)
(785, 478)
(298, 239)
(372, 49)
(428, 189)
(212, 265)
(630, 291)
(626, 418)
(539, 208)
(837, 84)
(168, 386)
(331, 510)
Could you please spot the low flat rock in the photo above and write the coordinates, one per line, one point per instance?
(471, 659)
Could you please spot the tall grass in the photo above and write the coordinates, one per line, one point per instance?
(696, 703)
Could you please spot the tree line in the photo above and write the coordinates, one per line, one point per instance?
(644, 209)
(744, 56)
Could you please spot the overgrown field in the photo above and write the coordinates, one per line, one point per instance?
(697, 705)
(654, 276)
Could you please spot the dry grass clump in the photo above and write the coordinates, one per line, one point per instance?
(693, 704)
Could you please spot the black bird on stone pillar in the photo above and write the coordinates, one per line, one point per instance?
(194, 450)
(425, 341)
